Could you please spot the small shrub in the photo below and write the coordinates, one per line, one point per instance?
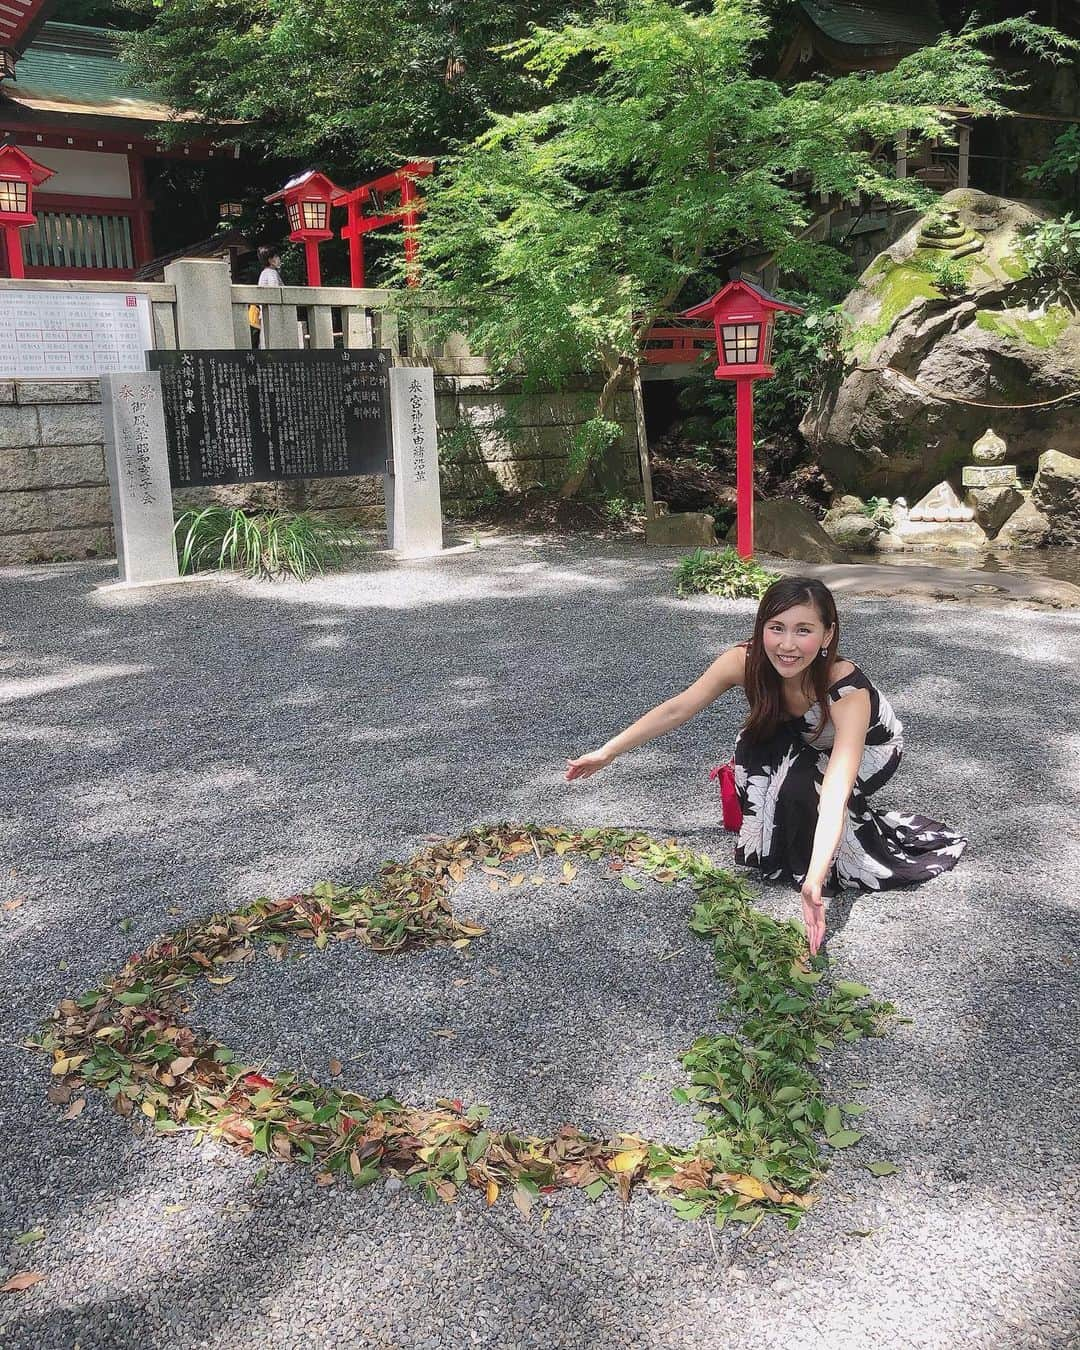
(623, 512)
(707, 572)
(879, 509)
(1051, 250)
(267, 544)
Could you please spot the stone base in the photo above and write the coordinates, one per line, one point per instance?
(988, 475)
(685, 529)
(1027, 527)
(958, 536)
(993, 506)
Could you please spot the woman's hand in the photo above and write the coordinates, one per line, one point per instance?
(586, 765)
(813, 912)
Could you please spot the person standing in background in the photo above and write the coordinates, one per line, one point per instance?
(269, 275)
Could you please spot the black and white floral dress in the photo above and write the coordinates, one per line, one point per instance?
(779, 782)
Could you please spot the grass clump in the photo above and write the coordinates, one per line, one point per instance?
(707, 572)
(273, 544)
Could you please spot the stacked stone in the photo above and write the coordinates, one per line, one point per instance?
(993, 489)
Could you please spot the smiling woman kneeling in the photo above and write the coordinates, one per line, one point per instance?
(817, 741)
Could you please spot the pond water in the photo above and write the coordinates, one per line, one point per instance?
(1060, 564)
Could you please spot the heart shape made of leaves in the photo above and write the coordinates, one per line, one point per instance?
(759, 1103)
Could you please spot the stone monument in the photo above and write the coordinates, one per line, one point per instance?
(413, 497)
(993, 491)
(137, 463)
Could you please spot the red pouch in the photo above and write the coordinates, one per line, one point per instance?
(729, 796)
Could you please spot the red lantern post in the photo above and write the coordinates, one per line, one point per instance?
(19, 175)
(743, 316)
(308, 199)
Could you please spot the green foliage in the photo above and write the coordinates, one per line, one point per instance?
(623, 512)
(879, 509)
(360, 84)
(950, 275)
(706, 572)
(1052, 250)
(273, 544)
(557, 237)
(1060, 171)
(591, 440)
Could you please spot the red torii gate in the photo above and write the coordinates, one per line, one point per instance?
(354, 200)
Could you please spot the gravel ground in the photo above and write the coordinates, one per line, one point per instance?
(174, 751)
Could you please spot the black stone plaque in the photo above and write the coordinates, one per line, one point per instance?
(239, 417)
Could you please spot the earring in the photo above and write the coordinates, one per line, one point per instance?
(824, 652)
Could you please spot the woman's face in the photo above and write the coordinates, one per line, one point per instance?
(794, 638)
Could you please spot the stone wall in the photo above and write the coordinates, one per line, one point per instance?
(54, 496)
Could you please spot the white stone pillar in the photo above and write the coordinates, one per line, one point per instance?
(137, 463)
(204, 317)
(413, 498)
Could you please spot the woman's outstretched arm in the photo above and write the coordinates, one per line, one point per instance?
(851, 717)
(724, 673)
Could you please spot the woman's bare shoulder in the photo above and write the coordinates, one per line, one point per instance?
(841, 669)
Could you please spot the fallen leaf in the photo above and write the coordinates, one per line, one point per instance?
(14, 904)
(335, 1068)
(628, 1160)
(31, 1236)
(522, 1200)
(61, 1093)
(224, 979)
(324, 1179)
(75, 1109)
(491, 1192)
(517, 879)
(24, 1280)
(748, 1186)
(883, 1169)
(843, 1138)
(181, 1064)
(447, 1033)
(175, 1209)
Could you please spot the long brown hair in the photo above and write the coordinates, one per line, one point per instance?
(764, 690)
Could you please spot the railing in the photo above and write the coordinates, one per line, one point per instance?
(672, 343)
(80, 240)
(294, 317)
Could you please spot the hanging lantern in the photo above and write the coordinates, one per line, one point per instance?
(19, 176)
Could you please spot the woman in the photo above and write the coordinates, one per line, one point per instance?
(269, 275)
(817, 741)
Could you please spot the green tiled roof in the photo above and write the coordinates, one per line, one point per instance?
(76, 64)
(884, 25)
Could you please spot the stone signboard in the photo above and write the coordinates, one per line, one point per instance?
(138, 468)
(261, 416)
(414, 513)
(72, 334)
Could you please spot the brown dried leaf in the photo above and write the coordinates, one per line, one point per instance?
(75, 1109)
(61, 1093)
(24, 1280)
(181, 1064)
(491, 1192)
(335, 1068)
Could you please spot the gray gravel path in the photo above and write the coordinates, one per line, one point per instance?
(174, 751)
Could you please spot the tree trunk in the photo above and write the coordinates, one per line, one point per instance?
(606, 474)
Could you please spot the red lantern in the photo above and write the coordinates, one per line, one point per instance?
(19, 175)
(308, 199)
(743, 316)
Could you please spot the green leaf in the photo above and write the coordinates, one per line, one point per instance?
(843, 1138)
(478, 1146)
(596, 1188)
(788, 1094)
(631, 883)
(834, 1122)
(853, 1109)
(850, 989)
(882, 1169)
(688, 1209)
(30, 1236)
(132, 999)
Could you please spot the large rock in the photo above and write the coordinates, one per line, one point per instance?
(855, 532)
(993, 505)
(896, 420)
(684, 529)
(1056, 492)
(788, 530)
(1026, 528)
